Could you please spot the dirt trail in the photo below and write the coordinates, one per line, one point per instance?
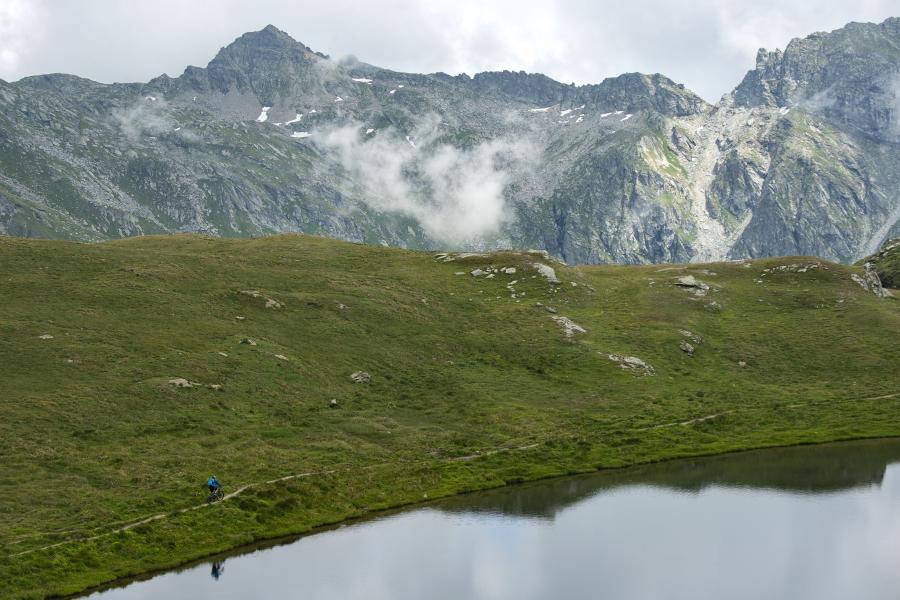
(689, 422)
(180, 511)
(502, 449)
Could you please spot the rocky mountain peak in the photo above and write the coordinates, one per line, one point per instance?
(851, 76)
(639, 91)
(267, 64)
(526, 87)
(261, 49)
(269, 39)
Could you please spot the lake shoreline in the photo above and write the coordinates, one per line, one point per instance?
(373, 515)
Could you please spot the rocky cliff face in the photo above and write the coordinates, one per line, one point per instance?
(802, 158)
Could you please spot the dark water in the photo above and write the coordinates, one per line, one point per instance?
(806, 523)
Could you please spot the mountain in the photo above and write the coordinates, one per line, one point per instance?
(802, 158)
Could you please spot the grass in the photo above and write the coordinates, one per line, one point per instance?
(92, 435)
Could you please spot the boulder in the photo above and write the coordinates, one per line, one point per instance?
(686, 348)
(632, 363)
(691, 336)
(181, 382)
(569, 327)
(870, 281)
(360, 377)
(689, 281)
(547, 272)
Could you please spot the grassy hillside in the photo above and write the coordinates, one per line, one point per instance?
(470, 387)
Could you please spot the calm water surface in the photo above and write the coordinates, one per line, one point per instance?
(805, 523)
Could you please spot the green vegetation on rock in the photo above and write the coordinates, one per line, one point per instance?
(886, 263)
(474, 382)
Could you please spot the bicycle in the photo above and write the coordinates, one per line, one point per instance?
(215, 495)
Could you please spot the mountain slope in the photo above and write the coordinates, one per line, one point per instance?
(802, 158)
(474, 382)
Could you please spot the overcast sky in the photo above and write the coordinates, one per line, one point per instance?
(706, 44)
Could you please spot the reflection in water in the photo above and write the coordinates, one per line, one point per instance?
(807, 469)
(217, 569)
(816, 522)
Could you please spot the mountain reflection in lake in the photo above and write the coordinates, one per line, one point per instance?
(813, 522)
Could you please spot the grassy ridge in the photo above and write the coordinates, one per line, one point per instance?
(92, 434)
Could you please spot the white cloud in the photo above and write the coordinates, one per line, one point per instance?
(148, 116)
(456, 195)
(17, 21)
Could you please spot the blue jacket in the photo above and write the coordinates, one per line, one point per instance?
(213, 482)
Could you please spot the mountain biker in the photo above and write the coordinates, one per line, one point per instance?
(213, 484)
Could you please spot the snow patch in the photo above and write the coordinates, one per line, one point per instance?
(604, 115)
(370, 131)
(338, 99)
(151, 98)
(626, 117)
(362, 80)
(563, 113)
(178, 129)
(411, 142)
(392, 92)
(301, 134)
(541, 110)
(784, 110)
(294, 120)
(264, 115)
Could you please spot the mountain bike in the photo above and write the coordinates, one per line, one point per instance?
(215, 496)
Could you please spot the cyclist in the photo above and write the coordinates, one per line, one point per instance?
(213, 484)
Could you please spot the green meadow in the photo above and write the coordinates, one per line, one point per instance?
(473, 382)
